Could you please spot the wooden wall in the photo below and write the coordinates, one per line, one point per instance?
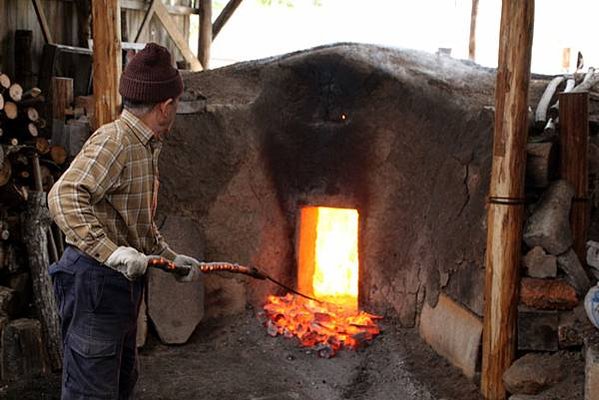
(62, 20)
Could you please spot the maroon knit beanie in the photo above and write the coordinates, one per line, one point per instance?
(150, 76)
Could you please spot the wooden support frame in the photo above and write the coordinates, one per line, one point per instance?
(205, 35)
(574, 166)
(162, 13)
(146, 20)
(41, 17)
(506, 193)
(472, 41)
(224, 16)
(106, 16)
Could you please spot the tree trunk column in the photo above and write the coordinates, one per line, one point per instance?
(506, 203)
(106, 21)
(574, 138)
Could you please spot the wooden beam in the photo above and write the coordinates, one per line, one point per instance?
(41, 18)
(146, 20)
(205, 36)
(506, 195)
(143, 5)
(472, 43)
(574, 167)
(176, 36)
(106, 16)
(224, 16)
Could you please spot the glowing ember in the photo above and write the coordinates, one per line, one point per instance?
(328, 271)
(325, 326)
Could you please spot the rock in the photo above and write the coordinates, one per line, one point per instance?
(569, 331)
(23, 353)
(176, 308)
(533, 373)
(575, 273)
(539, 264)
(537, 330)
(549, 225)
(142, 324)
(453, 332)
(545, 294)
(593, 257)
(591, 368)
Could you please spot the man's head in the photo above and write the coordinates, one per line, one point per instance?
(151, 87)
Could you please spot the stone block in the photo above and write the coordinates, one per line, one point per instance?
(547, 294)
(142, 324)
(570, 330)
(591, 369)
(537, 330)
(539, 264)
(453, 332)
(176, 308)
(549, 224)
(533, 373)
(575, 273)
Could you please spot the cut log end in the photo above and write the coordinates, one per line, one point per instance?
(10, 110)
(42, 145)
(4, 81)
(32, 129)
(58, 154)
(15, 91)
(32, 114)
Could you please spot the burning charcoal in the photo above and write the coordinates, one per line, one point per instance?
(325, 351)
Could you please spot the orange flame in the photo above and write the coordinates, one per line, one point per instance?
(328, 270)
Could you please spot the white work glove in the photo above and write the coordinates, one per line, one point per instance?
(128, 262)
(192, 264)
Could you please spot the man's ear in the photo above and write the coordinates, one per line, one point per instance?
(164, 106)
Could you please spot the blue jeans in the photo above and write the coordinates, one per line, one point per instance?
(98, 309)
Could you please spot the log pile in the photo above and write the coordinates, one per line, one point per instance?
(31, 160)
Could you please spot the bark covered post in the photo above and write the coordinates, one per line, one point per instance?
(35, 223)
(106, 20)
(574, 138)
(506, 192)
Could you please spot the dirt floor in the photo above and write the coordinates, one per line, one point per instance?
(234, 359)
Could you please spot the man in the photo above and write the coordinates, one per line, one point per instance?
(105, 204)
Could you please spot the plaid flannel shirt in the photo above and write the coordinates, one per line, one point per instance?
(108, 196)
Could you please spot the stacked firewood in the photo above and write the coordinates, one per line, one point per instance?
(28, 160)
(30, 163)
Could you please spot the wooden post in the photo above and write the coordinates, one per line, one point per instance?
(506, 192)
(205, 36)
(472, 43)
(35, 224)
(106, 16)
(224, 16)
(62, 96)
(41, 18)
(177, 37)
(574, 168)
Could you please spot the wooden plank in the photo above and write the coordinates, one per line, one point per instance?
(506, 205)
(146, 21)
(574, 166)
(472, 42)
(106, 15)
(172, 9)
(176, 36)
(41, 17)
(205, 35)
(224, 16)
